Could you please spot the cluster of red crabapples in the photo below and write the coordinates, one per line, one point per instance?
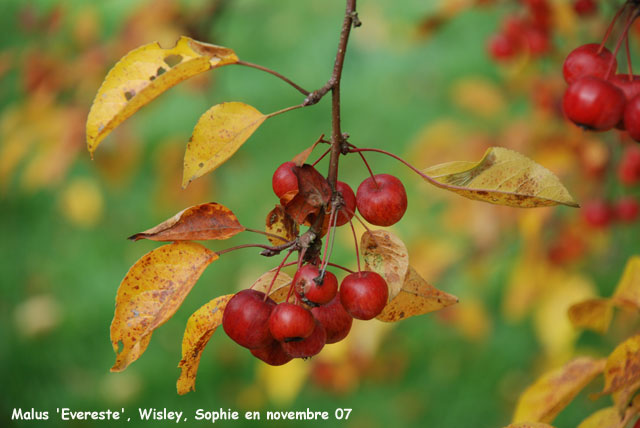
(528, 32)
(597, 98)
(321, 312)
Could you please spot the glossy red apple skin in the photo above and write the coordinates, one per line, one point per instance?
(285, 180)
(335, 320)
(272, 354)
(594, 103)
(382, 202)
(308, 347)
(364, 295)
(349, 209)
(588, 60)
(309, 291)
(290, 322)
(245, 319)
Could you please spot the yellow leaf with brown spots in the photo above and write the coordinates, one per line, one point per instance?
(142, 75)
(593, 314)
(623, 366)
(200, 327)
(150, 294)
(501, 177)
(622, 398)
(199, 222)
(219, 133)
(608, 417)
(416, 297)
(628, 290)
(385, 254)
(281, 224)
(553, 391)
(280, 287)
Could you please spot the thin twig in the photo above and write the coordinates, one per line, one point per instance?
(275, 73)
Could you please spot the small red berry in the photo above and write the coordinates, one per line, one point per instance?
(309, 291)
(537, 41)
(308, 347)
(289, 322)
(272, 354)
(588, 60)
(364, 295)
(285, 180)
(382, 202)
(245, 319)
(585, 7)
(335, 320)
(346, 213)
(593, 103)
(501, 47)
(629, 168)
(597, 214)
(627, 210)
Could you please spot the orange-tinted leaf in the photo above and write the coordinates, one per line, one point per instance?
(623, 366)
(219, 133)
(502, 177)
(142, 75)
(302, 157)
(314, 192)
(416, 297)
(150, 294)
(628, 290)
(553, 391)
(200, 327)
(604, 418)
(280, 287)
(199, 222)
(622, 398)
(593, 314)
(385, 254)
(280, 223)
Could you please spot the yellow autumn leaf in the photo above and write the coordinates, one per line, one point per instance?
(282, 225)
(529, 425)
(628, 290)
(621, 370)
(219, 133)
(416, 297)
(593, 314)
(553, 391)
(200, 327)
(501, 177)
(142, 75)
(280, 287)
(386, 254)
(150, 294)
(608, 417)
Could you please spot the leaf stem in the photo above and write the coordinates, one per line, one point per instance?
(275, 73)
(261, 232)
(273, 280)
(416, 170)
(284, 110)
(355, 241)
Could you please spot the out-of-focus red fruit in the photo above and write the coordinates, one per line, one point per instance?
(627, 209)
(632, 118)
(593, 103)
(501, 47)
(629, 168)
(597, 214)
(585, 7)
(272, 354)
(568, 247)
(588, 60)
(537, 41)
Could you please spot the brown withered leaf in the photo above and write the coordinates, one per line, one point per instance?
(385, 254)
(150, 294)
(554, 390)
(416, 297)
(280, 287)
(628, 290)
(608, 417)
(200, 327)
(302, 157)
(314, 193)
(199, 222)
(281, 224)
(623, 366)
(593, 314)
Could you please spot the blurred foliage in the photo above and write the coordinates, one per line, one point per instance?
(64, 218)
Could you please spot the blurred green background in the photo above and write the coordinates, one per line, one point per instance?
(424, 90)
